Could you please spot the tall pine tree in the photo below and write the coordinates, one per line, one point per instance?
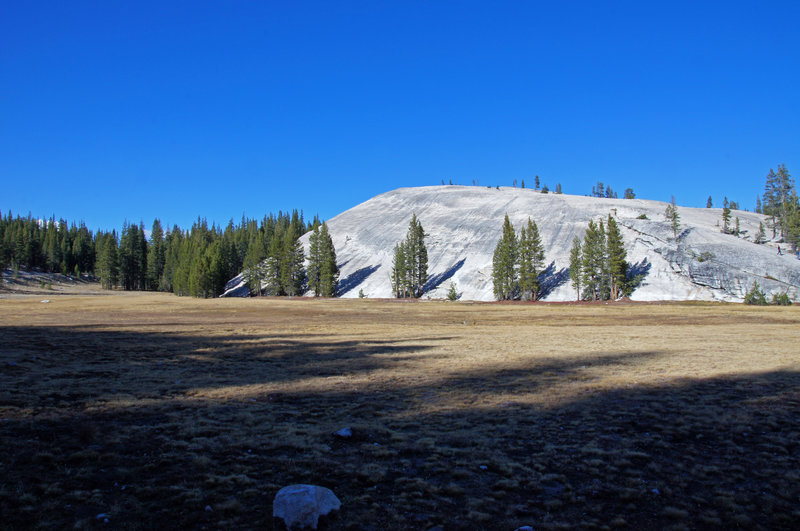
(410, 262)
(156, 256)
(323, 273)
(594, 261)
(108, 260)
(504, 263)
(616, 256)
(399, 272)
(531, 261)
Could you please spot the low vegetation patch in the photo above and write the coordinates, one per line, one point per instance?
(153, 411)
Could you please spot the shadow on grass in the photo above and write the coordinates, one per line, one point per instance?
(116, 423)
(184, 361)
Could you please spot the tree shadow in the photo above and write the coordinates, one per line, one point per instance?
(151, 428)
(550, 279)
(434, 281)
(354, 279)
(637, 273)
(181, 362)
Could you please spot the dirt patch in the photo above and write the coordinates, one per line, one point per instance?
(159, 411)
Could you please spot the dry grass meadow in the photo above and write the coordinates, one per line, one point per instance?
(162, 412)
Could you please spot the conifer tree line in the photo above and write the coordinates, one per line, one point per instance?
(274, 261)
(48, 245)
(196, 262)
(781, 206)
(597, 267)
(517, 262)
(410, 262)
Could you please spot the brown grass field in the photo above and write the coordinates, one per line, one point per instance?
(165, 412)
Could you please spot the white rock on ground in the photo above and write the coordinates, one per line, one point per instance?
(463, 225)
(301, 506)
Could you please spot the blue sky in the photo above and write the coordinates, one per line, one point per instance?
(136, 110)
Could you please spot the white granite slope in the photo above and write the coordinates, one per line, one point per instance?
(463, 224)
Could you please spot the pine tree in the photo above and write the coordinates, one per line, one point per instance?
(292, 272)
(709, 203)
(671, 213)
(329, 270)
(156, 257)
(523, 183)
(762, 236)
(793, 221)
(133, 257)
(127, 263)
(217, 256)
(417, 256)
(172, 251)
(83, 250)
(273, 267)
(785, 190)
(771, 205)
(536, 182)
(616, 256)
(410, 263)
(399, 273)
(254, 268)
(558, 188)
(531, 260)
(452, 294)
(594, 261)
(140, 255)
(726, 219)
(629, 194)
(322, 272)
(200, 284)
(504, 263)
(314, 262)
(108, 260)
(576, 266)
(736, 227)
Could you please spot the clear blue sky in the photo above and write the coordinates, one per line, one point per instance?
(131, 110)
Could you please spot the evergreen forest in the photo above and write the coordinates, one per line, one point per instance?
(196, 262)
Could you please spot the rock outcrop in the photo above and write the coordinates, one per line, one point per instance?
(463, 225)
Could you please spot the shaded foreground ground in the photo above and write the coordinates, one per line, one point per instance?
(162, 412)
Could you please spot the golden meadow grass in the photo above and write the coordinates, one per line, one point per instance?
(152, 409)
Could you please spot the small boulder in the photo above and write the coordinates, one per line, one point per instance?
(300, 506)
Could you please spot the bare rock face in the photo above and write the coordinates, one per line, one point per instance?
(463, 224)
(301, 506)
